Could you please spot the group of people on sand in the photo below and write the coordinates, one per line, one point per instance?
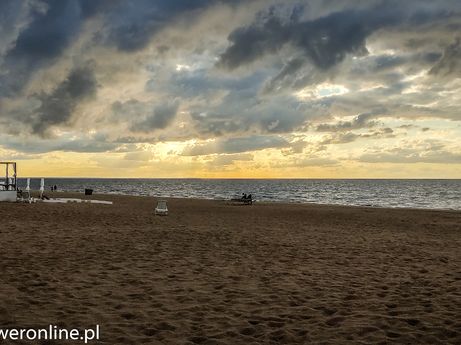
(246, 197)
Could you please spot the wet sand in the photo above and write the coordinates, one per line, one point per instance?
(213, 273)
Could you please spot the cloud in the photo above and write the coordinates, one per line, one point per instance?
(241, 112)
(360, 121)
(348, 137)
(129, 110)
(162, 116)
(13, 17)
(420, 152)
(142, 156)
(236, 145)
(312, 159)
(229, 159)
(324, 41)
(449, 65)
(53, 24)
(130, 25)
(65, 143)
(302, 77)
(340, 138)
(410, 156)
(57, 107)
(311, 162)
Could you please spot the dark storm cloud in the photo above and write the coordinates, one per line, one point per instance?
(10, 15)
(450, 63)
(162, 116)
(325, 41)
(51, 29)
(57, 107)
(53, 26)
(131, 24)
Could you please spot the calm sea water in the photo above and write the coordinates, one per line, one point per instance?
(435, 194)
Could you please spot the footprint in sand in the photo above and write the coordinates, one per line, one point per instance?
(128, 316)
(198, 339)
(335, 321)
(247, 331)
(393, 335)
(276, 324)
(150, 332)
(412, 322)
(165, 326)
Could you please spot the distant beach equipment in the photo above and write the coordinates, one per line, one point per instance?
(162, 208)
(9, 190)
(42, 187)
(8, 184)
(27, 191)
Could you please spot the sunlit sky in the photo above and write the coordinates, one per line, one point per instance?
(209, 88)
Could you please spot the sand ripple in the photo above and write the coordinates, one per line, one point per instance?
(211, 273)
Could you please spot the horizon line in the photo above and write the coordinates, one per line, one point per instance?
(243, 178)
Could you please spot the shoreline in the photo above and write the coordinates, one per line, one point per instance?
(256, 202)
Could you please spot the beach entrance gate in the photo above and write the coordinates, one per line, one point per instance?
(8, 184)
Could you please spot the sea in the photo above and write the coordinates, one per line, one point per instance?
(407, 193)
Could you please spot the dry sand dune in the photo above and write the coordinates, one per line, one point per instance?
(211, 273)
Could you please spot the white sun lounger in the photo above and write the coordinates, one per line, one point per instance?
(161, 209)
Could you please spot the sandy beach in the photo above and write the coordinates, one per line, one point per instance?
(213, 273)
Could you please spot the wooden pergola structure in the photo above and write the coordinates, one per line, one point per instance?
(9, 183)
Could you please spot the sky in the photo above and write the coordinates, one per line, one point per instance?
(246, 89)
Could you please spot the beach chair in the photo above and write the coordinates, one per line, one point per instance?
(161, 209)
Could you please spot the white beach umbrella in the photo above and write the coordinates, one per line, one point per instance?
(42, 187)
